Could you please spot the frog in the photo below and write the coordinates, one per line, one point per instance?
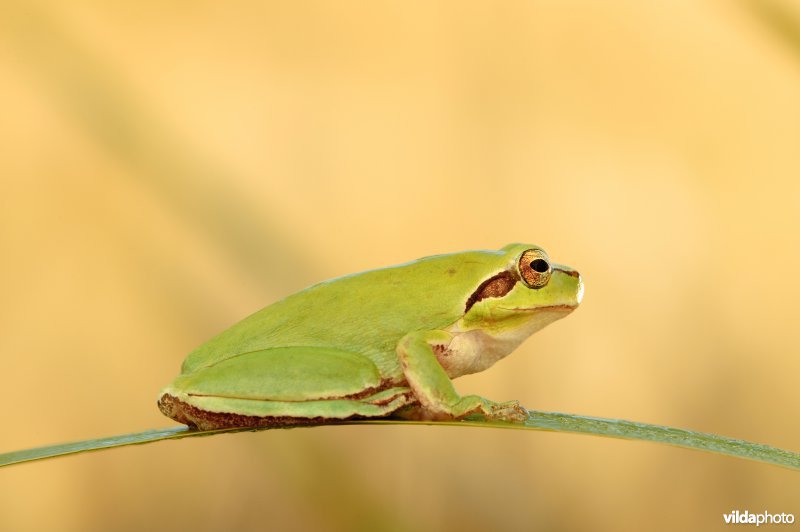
(386, 342)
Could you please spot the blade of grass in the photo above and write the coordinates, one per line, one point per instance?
(547, 421)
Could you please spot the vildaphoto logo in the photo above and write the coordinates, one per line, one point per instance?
(765, 518)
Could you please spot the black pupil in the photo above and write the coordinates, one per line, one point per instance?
(539, 265)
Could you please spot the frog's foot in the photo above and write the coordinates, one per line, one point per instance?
(475, 404)
(507, 411)
(472, 404)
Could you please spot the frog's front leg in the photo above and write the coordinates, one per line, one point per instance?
(434, 389)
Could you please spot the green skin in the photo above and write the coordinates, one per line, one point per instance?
(380, 342)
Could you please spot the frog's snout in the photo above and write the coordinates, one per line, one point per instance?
(577, 280)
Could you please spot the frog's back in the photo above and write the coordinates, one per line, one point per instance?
(366, 313)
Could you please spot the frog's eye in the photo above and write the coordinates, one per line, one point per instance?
(534, 267)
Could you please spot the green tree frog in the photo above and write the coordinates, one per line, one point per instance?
(377, 343)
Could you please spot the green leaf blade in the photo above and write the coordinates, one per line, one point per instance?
(631, 430)
(545, 421)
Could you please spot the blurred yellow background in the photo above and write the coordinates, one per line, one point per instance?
(170, 167)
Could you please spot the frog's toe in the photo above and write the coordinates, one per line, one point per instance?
(509, 411)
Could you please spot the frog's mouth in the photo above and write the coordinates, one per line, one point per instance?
(557, 308)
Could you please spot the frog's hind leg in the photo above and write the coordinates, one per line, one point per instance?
(282, 386)
(209, 413)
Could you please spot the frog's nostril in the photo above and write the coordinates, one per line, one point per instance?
(539, 265)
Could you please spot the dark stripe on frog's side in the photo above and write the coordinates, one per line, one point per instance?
(197, 418)
(496, 286)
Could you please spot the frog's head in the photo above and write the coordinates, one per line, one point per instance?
(526, 292)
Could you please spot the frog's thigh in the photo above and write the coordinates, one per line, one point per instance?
(284, 374)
